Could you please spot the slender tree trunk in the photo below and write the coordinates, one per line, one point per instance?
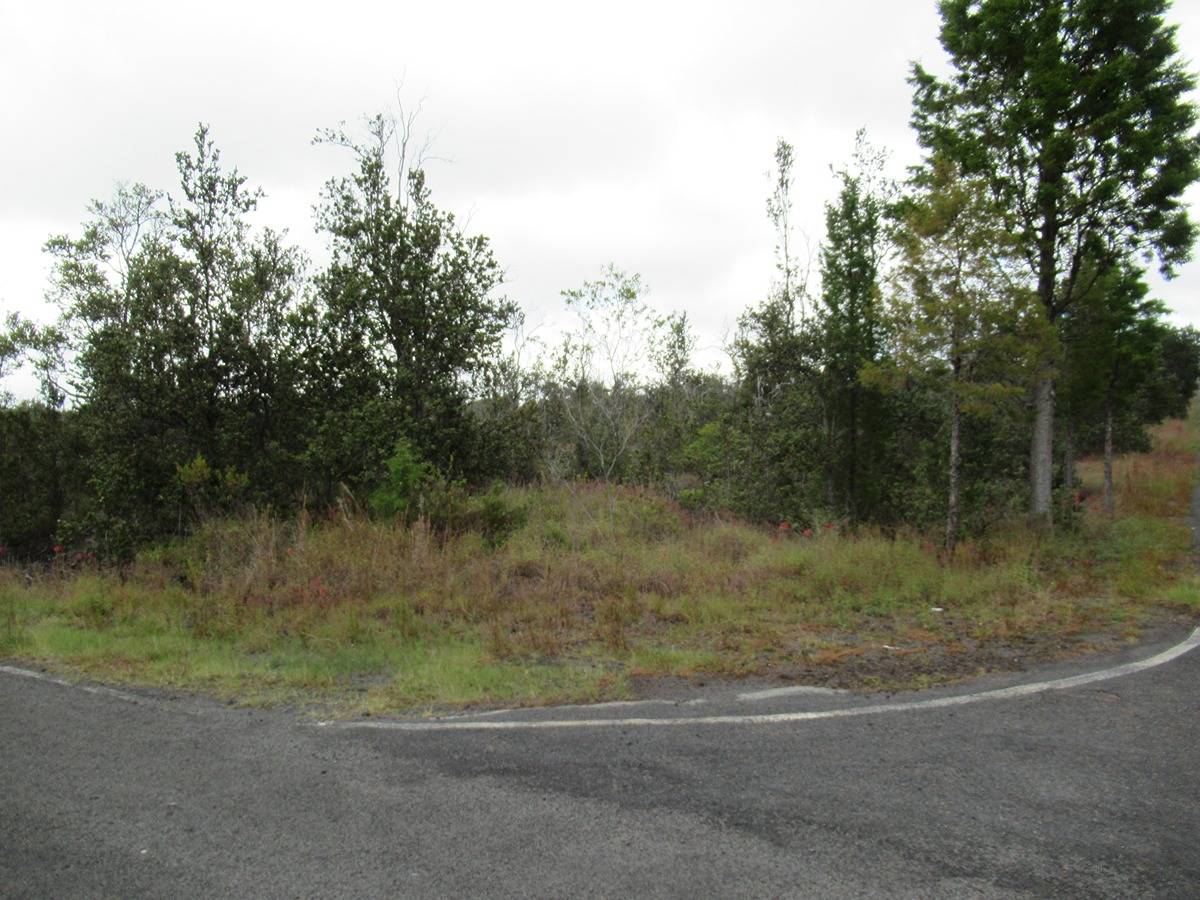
(1041, 455)
(1041, 448)
(955, 465)
(1110, 500)
(1069, 456)
(852, 479)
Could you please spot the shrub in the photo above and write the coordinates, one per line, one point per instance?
(407, 479)
(413, 489)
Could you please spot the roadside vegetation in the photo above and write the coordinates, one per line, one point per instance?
(596, 586)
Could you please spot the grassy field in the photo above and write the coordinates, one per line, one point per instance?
(601, 587)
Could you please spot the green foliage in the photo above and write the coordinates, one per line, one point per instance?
(42, 453)
(492, 515)
(1169, 389)
(179, 337)
(413, 490)
(408, 315)
(210, 492)
(963, 327)
(595, 584)
(1077, 115)
(408, 478)
(851, 327)
(198, 367)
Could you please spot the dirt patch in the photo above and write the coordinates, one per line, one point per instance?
(888, 668)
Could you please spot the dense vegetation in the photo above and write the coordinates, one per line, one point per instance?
(993, 303)
(598, 585)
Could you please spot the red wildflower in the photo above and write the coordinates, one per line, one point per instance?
(807, 532)
(785, 526)
(57, 549)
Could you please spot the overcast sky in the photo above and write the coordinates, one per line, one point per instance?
(571, 134)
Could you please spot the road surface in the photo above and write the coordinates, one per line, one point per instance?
(1087, 789)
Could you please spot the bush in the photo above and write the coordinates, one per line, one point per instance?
(450, 509)
(413, 489)
(407, 480)
(208, 491)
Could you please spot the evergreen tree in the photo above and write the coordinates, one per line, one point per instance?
(1077, 115)
(850, 323)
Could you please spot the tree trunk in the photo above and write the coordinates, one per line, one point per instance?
(1041, 455)
(1041, 450)
(1110, 500)
(1069, 456)
(852, 473)
(955, 464)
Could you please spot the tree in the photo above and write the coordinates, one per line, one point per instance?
(40, 449)
(9, 357)
(1114, 350)
(1076, 114)
(1170, 391)
(960, 312)
(178, 337)
(600, 372)
(773, 451)
(408, 313)
(850, 319)
(23, 341)
(791, 287)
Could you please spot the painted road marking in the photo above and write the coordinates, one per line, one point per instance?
(1020, 690)
(791, 691)
(90, 688)
(610, 704)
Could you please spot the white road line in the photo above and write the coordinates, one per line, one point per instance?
(610, 704)
(90, 688)
(791, 691)
(1020, 690)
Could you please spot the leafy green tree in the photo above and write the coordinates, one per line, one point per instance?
(508, 409)
(1169, 393)
(9, 358)
(177, 341)
(1076, 113)
(40, 448)
(960, 316)
(408, 316)
(242, 297)
(772, 450)
(42, 475)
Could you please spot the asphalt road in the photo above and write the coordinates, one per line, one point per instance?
(1089, 791)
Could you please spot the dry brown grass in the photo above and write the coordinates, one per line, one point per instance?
(1158, 483)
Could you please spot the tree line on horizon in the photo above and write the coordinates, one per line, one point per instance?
(975, 330)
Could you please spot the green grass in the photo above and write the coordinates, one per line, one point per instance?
(602, 584)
